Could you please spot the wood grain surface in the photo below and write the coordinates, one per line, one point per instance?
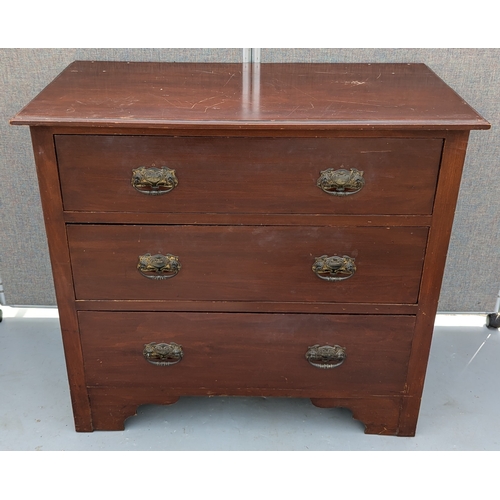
(247, 263)
(241, 175)
(46, 165)
(302, 96)
(248, 354)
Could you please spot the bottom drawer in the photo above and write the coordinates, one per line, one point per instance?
(248, 354)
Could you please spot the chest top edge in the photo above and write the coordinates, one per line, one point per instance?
(268, 96)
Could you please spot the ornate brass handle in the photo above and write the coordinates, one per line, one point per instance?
(334, 268)
(341, 182)
(153, 180)
(326, 357)
(163, 354)
(158, 267)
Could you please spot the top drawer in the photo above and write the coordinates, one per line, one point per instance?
(249, 175)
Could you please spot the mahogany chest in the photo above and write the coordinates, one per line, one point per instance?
(246, 230)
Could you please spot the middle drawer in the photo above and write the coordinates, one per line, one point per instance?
(247, 263)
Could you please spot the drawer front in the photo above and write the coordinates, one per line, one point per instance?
(223, 353)
(248, 175)
(247, 263)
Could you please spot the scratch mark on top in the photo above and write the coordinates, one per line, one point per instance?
(309, 95)
(203, 100)
(291, 112)
(216, 104)
(229, 79)
(361, 103)
(171, 103)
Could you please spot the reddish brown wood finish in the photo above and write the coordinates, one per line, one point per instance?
(65, 129)
(208, 96)
(246, 306)
(111, 406)
(250, 263)
(244, 219)
(379, 415)
(444, 209)
(248, 175)
(244, 354)
(46, 164)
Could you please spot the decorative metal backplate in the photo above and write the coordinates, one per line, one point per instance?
(163, 354)
(341, 182)
(158, 267)
(326, 357)
(153, 180)
(334, 268)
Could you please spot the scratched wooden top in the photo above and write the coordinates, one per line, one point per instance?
(225, 96)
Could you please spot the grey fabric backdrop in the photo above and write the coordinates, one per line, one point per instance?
(472, 276)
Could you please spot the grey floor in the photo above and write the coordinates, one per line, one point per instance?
(460, 408)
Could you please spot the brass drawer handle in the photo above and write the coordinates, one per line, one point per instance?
(334, 268)
(158, 267)
(326, 357)
(341, 182)
(163, 354)
(153, 180)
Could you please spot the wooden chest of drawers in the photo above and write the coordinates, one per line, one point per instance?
(212, 237)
